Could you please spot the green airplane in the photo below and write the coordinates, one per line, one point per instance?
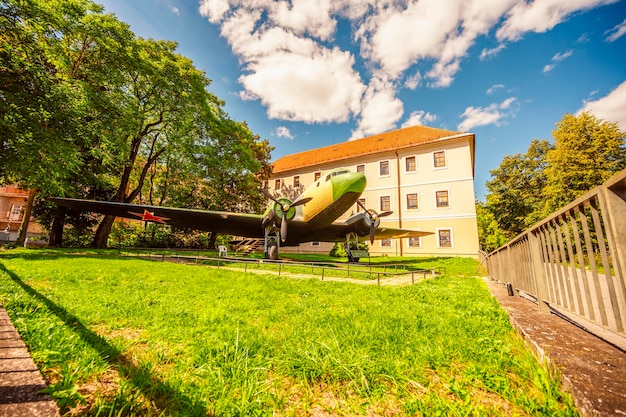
(312, 217)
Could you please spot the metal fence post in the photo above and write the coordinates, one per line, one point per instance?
(539, 272)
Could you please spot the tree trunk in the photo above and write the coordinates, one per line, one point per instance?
(21, 238)
(212, 239)
(56, 230)
(102, 234)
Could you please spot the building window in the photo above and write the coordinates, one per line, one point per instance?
(439, 159)
(315, 243)
(266, 184)
(385, 243)
(445, 238)
(410, 164)
(358, 208)
(317, 176)
(296, 181)
(411, 201)
(442, 199)
(415, 242)
(277, 185)
(16, 212)
(384, 168)
(360, 169)
(385, 203)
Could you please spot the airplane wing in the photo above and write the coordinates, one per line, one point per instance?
(394, 233)
(237, 224)
(336, 232)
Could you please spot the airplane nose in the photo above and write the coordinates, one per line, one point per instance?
(350, 182)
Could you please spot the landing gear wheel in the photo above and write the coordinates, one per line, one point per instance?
(272, 251)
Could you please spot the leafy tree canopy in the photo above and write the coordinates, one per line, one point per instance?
(87, 108)
(525, 188)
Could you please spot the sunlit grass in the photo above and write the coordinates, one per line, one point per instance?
(118, 336)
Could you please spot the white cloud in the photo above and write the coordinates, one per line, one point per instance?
(175, 10)
(560, 56)
(616, 32)
(557, 58)
(541, 16)
(381, 110)
(290, 65)
(488, 53)
(413, 81)
(283, 132)
(610, 107)
(494, 88)
(443, 75)
(419, 117)
(493, 114)
(312, 89)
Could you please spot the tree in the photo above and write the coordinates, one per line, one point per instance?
(58, 61)
(490, 236)
(165, 103)
(587, 151)
(517, 187)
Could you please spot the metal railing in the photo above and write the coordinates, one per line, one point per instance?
(309, 268)
(573, 262)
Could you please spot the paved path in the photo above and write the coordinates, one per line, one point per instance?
(20, 380)
(591, 369)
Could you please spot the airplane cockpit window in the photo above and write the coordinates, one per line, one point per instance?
(335, 173)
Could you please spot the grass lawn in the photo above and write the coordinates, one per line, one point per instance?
(119, 336)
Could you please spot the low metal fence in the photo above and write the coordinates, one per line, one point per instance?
(573, 262)
(316, 269)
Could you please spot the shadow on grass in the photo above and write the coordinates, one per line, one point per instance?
(166, 397)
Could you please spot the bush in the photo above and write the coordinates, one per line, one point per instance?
(157, 236)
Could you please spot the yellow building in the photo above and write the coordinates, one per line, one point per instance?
(424, 175)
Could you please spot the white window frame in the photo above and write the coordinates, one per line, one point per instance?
(388, 169)
(16, 212)
(405, 159)
(358, 208)
(419, 242)
(439, 229)
(417, 195)
(380, 205)
(364, 168)
(380, 243)
(445, 156)
(443, 207)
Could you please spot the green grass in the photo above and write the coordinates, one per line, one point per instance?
(119, 336)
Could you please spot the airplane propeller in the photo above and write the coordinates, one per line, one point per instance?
(285, 205)
(374, 218)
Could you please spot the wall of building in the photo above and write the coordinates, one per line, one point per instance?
(12, 202)
(454, 226)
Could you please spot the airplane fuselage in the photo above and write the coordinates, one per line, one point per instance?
(330, 197)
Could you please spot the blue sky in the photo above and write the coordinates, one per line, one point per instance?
(309, 73)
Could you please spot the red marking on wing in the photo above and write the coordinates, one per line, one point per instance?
(146, 216)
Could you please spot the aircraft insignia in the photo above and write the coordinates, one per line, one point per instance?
(146, 216)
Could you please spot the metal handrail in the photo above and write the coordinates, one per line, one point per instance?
(574, 261)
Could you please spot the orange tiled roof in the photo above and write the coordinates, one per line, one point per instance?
(388, 141)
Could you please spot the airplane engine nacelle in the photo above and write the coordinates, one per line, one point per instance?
(278, 211)
(363, 223)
